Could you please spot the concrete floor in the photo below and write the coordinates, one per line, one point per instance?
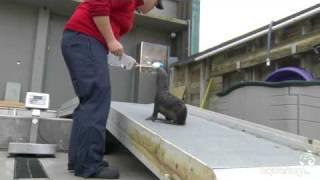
(56, 168)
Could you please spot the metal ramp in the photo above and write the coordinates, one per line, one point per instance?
(211, 146)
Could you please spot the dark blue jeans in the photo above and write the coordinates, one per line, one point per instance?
(86, 60)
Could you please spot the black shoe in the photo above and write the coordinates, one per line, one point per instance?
(107, 173)
(71, 167)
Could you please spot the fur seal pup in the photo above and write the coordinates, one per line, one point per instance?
(174, 109)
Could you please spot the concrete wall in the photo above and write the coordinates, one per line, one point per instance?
(122, 84)
(293, 109)
(17, 39)
(57, 81)
(145, 87)
(132, 40)
(18, 32)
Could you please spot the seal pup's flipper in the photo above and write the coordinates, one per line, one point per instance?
(152, 118)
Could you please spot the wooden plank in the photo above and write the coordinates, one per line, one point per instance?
(11, 104)
(206, 95)
(187, 83)
(277, 53)
(179, 92)
(202, 79)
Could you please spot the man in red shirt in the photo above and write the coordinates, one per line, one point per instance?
(91, 33)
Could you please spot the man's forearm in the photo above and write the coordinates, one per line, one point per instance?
(104, 26)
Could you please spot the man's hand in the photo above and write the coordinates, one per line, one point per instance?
(104, 26)
(115, 47)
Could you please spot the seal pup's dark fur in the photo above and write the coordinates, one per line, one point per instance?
(174, 109)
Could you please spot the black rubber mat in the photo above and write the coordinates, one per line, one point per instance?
(28, 168)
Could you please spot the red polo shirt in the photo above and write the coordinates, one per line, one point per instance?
(120, 12)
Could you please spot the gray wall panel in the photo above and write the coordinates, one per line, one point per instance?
(147, 88)
(17, 34)
(310, 101)
(310, 129)
(283, 112)
(132, 40)
(286, 125)
(145, 82)
(293, 109)
(253, 102)
(312, 90)
(310, 113)
(57, 81)
(283, 100)
(121, 84)
(16, 44)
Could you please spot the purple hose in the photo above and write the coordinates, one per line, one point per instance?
(289, 73)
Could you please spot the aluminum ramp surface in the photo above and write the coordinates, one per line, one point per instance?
(209, 146)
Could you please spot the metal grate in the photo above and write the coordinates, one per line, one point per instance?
(25, 168)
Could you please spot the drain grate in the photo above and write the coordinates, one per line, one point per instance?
(25, 168)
